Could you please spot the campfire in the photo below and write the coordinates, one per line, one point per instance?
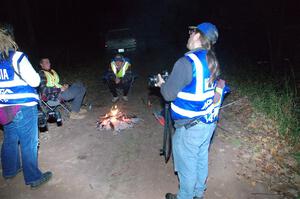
(116, 120)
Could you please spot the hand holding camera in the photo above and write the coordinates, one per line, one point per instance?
(160, 81)
(157, 80)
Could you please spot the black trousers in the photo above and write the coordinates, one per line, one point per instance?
(123, 85)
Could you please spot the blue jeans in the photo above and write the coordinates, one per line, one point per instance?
(76, 93)
(190, 152)
(23, 131)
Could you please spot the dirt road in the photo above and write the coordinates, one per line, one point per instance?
(88, 163)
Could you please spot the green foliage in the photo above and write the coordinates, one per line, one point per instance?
(297, 157)
(270, 96)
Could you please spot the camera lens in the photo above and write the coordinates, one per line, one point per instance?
(152, 80)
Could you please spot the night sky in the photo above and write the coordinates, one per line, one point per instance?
(250, 27)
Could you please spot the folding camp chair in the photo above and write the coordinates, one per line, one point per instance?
(50, 111)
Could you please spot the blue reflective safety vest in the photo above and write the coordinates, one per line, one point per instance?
(196, 99)
(14, 92)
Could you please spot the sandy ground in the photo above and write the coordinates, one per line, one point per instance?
(88, 163)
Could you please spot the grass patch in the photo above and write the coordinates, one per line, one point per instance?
(271, 96)
(297, 157)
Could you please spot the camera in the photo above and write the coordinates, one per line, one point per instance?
(153, 79)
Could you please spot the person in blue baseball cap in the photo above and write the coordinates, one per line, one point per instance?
(207, 30)
(196, 94)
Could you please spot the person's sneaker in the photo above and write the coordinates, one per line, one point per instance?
(114, 99)
(82, 111)
(76, 116)
(125, 98)
(45, 178)
(171, 196)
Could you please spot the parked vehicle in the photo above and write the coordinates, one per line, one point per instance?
(120, 41)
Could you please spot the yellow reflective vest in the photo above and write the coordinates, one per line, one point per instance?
(122, 71)
(52, 79)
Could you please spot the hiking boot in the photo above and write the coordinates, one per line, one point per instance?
(114, 99)
(125, 98)
(82, 111)
(76, 116)
(171, 196)
(45, 178)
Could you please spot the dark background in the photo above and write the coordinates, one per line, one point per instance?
(253, 29)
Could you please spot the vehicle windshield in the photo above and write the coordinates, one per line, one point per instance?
(119, 34)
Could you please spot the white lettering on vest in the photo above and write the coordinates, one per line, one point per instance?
(207, 103)
(3, 74)
(3, 92)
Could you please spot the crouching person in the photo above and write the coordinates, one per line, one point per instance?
(119, 76)
(51, 88)
(19, 115)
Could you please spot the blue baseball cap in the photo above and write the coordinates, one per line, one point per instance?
(119, 58)
(209, 30)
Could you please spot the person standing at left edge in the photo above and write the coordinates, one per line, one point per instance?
(19, 114)
(196, 93)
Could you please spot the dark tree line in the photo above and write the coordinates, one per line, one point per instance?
(256, 28)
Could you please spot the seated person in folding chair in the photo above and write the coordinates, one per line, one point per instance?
(51, 88)
(119, 76)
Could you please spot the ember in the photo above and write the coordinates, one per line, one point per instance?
(116, 120)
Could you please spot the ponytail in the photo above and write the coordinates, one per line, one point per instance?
(212, 62)
(213, 66)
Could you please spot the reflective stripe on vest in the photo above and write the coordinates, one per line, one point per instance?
(52, 79)
(200, 93)
(20, 95)
(122, 71)
(196, 99)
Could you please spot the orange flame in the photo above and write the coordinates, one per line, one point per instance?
(113, 119)
(114, 111)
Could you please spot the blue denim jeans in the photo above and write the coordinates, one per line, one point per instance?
(23, 132)
(76, 93)
(190, 152)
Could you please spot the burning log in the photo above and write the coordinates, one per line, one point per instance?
(116, 120)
